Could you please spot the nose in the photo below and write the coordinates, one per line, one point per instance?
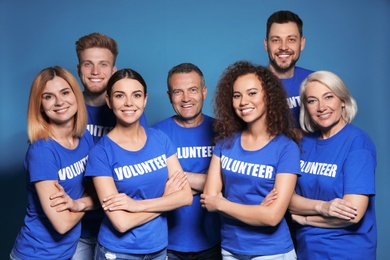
(128, 102)
(243, 100)
(95, 70)
(321, 106)
(185, 96)
(59, 101)
(283, 45)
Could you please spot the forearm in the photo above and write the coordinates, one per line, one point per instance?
(196, 181)
(321, 221)
(124, 220)
(87, 203)
(303, 206)
(254, 215)
(168, 202)
(65, 221)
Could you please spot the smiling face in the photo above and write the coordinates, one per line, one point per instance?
(284, 45)
(187, 95)
(95, 69)
(59, 103)
(127, 100)
(248, 99)
(324, 108)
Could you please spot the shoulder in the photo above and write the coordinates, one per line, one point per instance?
(41, 144)
(155, 133)
(359, 138)
(87, 137)
(208, 120)
(287, 143)
(301, 72)
(163, 124)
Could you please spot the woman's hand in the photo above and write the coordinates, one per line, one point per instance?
(337, 208)
(62, 201)
(299, 219)
(120, 201)
(210, 202)
(176, 182)
(270, 198)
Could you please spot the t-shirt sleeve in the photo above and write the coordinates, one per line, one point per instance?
(98, 164)
(359, 173)
(170, 148)
(41, 163)
(217, 149)
(289, 159)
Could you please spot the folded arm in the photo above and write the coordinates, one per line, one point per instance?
(339, 212)
(264, 214)
(65, 219)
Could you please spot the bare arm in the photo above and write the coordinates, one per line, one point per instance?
(173, 200)
(62, 201)
(62, 221)
(196, 181)
(122, 220)
(214, 184)
(257, 215)
(329, 214)
(126, 213)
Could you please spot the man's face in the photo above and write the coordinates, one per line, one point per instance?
(95, 69)
(284, 45)
(187, 95)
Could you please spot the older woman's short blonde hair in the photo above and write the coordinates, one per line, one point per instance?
(338, 87)
(38, 125)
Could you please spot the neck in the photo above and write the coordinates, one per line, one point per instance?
(64, 136)
(328, 133)
(95, 100)
(282, 74)
(189, 123)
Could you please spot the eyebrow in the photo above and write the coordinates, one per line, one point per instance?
(66, 88)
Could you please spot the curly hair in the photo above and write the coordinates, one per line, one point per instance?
(278, 115)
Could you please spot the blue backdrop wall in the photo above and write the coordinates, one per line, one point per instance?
(350, 38)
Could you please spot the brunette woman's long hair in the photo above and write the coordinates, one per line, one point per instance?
(278, 115)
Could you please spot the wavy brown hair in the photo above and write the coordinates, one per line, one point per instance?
(278, 115)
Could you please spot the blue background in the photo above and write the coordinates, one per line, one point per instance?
(349, 37)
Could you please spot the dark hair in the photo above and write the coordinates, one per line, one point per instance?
(96, 40)
(278, 115)
(185, 68)
(125, 73)
(284, 17)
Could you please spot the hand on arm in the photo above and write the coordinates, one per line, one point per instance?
(270, 198)
(121, 201)
(115, 205)
(176, 199)
(61, 201)
(329, 214)
(60, 216)
(270, 213)
(176, 182)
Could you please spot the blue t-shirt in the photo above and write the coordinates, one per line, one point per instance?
(101, 120)
(141, 175)
(331, 168)
(292, 86)
(248, 176)
(48, 160)
(192, 228)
